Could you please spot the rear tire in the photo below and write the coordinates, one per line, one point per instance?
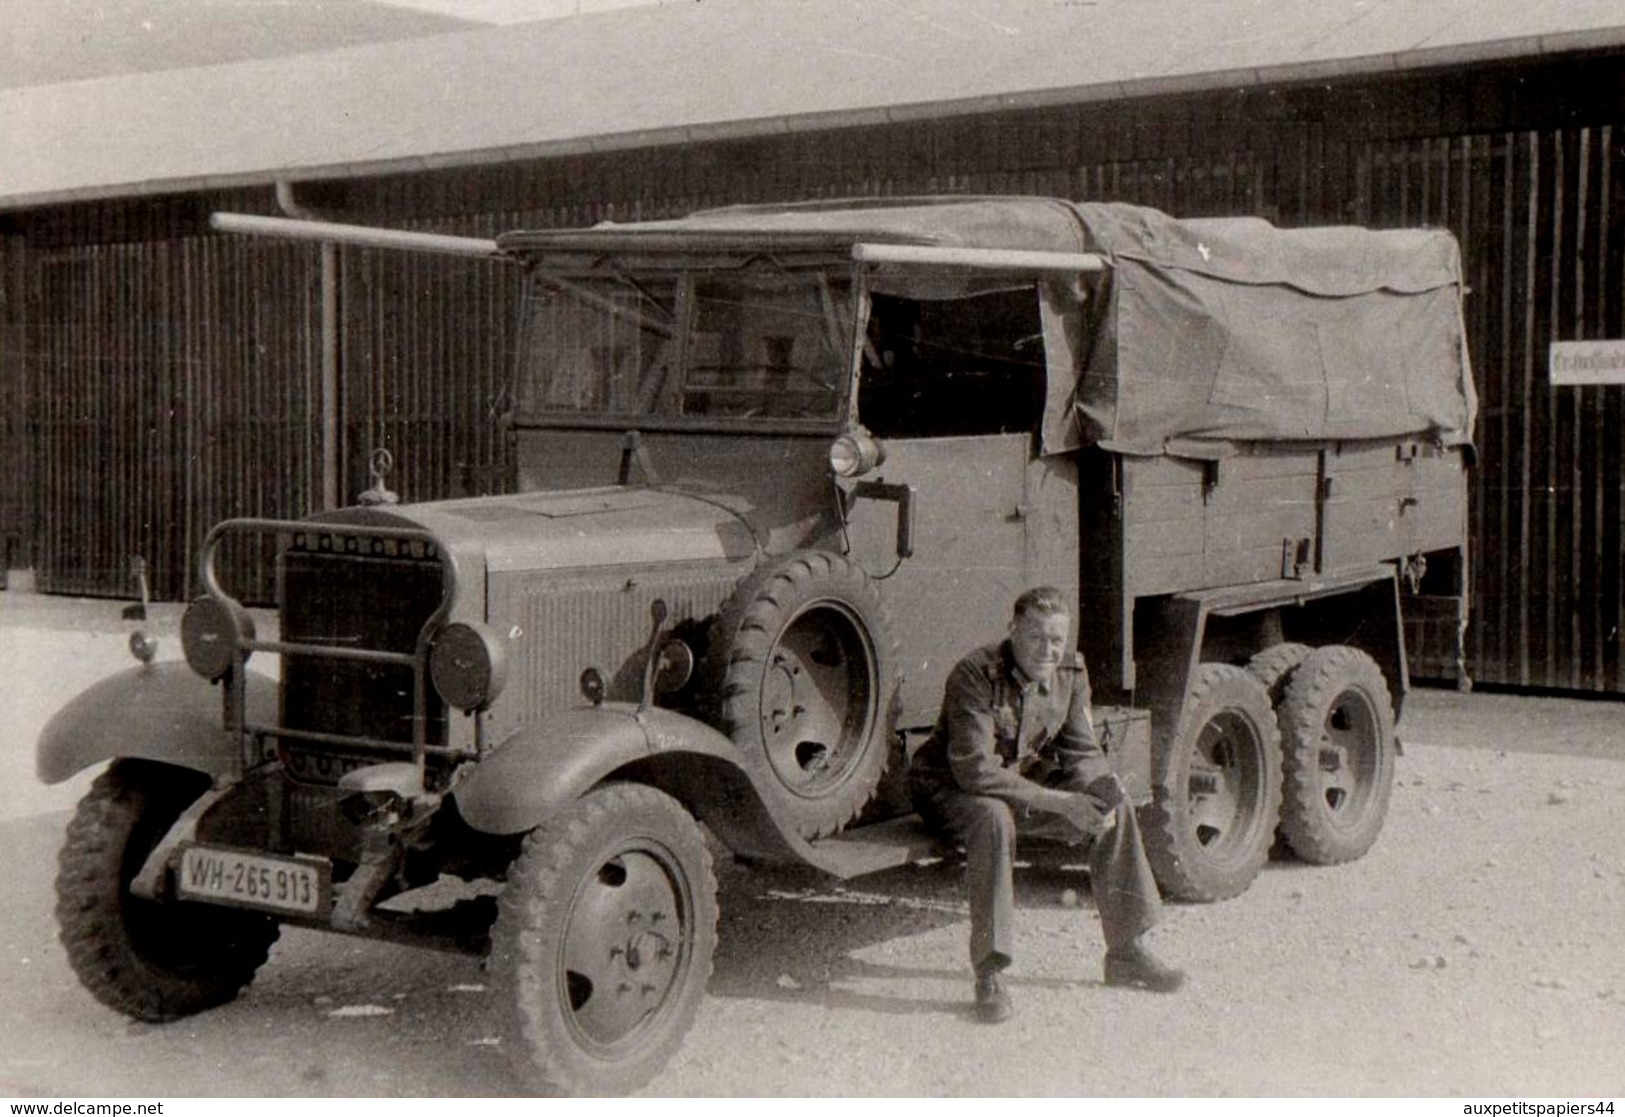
(150, 959)
(803, 674)
(1273, 667)
(604, 941)
(1275, 664)
(1338, 764)
(1208, 830)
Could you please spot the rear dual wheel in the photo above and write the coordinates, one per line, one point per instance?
(1337, 727)
(1275, 664)
(1208, 830)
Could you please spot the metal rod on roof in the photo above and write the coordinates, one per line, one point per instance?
(997, 259)
(364, 236)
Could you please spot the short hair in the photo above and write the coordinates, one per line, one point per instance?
(1043, 601)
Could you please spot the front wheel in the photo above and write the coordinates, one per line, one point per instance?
(149, 959)
(604, 941)
(1208, 831)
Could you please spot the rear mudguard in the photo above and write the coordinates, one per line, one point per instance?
(563, 756)
(160, 711)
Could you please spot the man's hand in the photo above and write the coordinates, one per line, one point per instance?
(1085, 812)
(1109, 790)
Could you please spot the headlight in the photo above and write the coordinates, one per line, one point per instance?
(210, 633)
(592, 685)
(855, 453)
(469, 664)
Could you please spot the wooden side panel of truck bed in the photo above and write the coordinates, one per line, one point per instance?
(1163, 525)
(1259, 516)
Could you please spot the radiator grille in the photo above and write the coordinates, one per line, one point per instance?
(374, 602)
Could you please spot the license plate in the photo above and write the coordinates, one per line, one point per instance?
(253, 880)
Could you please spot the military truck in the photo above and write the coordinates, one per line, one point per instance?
(778, 467)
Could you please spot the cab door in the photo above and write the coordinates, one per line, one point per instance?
(952, 389)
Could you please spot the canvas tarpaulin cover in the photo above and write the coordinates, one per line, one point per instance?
(1231, 330)
(1210, 332)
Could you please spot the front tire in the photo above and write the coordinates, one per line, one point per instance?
(1208, 830)
(149, 959)
(1338, 764)
(604, 941)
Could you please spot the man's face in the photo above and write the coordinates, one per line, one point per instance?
(1038, 641)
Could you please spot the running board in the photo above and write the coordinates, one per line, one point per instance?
(875, 848)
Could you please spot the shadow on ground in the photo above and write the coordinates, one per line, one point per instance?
(797, 936)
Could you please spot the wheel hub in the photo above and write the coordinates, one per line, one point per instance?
(813, 701)
(621, 951)
(1347, 762)
(1333, 758)
(645, 948)
(1224, 786)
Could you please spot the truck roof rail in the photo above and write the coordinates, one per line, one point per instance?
(364, 236)
(997, 259)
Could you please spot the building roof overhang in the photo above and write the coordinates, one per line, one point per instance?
(722, 70)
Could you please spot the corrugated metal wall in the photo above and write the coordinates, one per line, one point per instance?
(1538, 216)
(171, 388)
(17, 490)
(425, 357)
(172, 374)
(174, 383)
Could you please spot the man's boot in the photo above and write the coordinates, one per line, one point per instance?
(1135, 967)
(993, 1005)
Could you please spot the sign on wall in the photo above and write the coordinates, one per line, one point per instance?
(1587, 362)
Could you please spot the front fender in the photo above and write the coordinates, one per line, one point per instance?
(564, 755)
(160, 711)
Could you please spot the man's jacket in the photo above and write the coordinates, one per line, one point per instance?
(1000, 734)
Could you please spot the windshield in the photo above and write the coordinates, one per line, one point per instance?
(689, 348)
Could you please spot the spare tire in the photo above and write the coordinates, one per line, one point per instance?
(802, 672)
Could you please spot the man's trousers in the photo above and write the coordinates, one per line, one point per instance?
(1119, 876)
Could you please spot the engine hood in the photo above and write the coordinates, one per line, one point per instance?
(611, 526)
(587, 529)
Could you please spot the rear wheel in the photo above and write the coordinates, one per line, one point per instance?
(153, 960)
(803, 674)
(1208, 830)
(1338, 763)
(1273, 667)
(1275, 664)
(604, 941)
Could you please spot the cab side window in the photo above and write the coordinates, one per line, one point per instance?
(960, 366)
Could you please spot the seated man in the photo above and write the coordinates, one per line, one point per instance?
(1014, 753)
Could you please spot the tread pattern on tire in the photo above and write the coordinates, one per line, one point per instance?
(1325, 674)
(1180, 875)
(139, 798)
(741, 641)
(1274, 666)
(539, 880)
